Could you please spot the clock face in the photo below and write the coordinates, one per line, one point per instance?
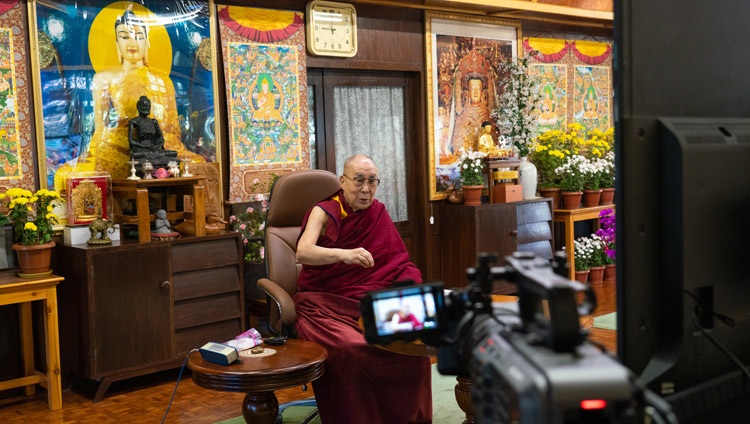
(331, 29)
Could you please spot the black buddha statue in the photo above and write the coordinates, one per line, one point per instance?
(146, 140)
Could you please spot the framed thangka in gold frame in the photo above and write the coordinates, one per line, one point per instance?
(264, 64)
(464, 55)
(93, 59)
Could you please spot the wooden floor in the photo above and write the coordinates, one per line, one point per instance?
(145, 399)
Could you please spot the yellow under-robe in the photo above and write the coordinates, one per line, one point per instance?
(109, 150)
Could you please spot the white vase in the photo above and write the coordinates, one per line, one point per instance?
(527, 178)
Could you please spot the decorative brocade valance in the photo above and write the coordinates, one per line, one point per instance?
(261, 25)
(551, 50)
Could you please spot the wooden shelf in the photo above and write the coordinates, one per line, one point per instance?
(569, 217)
(139, 190)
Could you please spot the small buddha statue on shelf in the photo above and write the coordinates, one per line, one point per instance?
(487, 143)
(146, 139)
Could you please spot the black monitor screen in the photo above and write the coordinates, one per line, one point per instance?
(683, 192)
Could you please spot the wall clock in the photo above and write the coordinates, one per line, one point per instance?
(331, 29)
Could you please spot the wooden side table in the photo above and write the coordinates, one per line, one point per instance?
(15, 290)
(139, 189)
(295, 363)
(569, 217)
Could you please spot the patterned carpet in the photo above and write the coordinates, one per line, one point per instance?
(444, 407)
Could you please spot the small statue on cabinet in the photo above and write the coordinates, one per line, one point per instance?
(99, 229)
(163, 228)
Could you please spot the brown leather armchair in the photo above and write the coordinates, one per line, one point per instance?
(291, 197)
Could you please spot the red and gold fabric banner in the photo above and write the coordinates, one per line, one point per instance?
(591, 52)
(549, 50)
(261, 25)
(6, 5)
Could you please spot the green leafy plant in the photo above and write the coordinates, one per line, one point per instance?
(471, 167)
(31, 214)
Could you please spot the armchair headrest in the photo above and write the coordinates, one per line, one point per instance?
(293, 194)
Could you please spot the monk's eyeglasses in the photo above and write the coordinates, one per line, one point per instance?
(359, 181)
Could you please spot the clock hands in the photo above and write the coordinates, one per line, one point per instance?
(332, 29)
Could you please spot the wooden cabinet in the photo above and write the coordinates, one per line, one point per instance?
(133, 308)
(500, 228)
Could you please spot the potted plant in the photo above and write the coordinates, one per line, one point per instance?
(516, 117)
(571, 174)
(472, 179)
(592, 172)
(250, 222)
(33, 228)
(548, 154)
(597, 260)
(581, 257)
(607, 179)
(607, 232)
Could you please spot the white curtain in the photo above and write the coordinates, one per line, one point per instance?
(370, 121)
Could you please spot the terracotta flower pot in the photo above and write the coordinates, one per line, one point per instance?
(34, 260)
(571, 199)
(591, 198)
(596, 274)
(607, 197)
(582, 276)
(610, 272)
(553, 193)
(472, 195)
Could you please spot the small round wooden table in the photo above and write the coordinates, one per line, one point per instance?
(295, 363)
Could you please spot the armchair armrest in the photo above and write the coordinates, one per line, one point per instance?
(287, 314)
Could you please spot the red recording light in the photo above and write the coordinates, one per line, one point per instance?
(590, 404)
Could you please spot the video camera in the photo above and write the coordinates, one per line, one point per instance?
(529, 361)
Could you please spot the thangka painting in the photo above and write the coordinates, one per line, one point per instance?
(264, 53)
(581, 72)
(263, 104)
(16, 148)
(553, 95)
(592, 97)
(96, 58)
(464, 55)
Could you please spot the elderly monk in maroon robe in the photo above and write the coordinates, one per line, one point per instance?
(349, 246)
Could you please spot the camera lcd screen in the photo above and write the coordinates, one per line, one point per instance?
(403, 312)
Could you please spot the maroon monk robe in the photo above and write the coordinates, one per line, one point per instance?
(361, 383)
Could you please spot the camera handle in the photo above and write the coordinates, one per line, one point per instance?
(557, 320)
(547, 300)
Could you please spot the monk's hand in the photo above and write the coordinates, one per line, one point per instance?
(359, 256)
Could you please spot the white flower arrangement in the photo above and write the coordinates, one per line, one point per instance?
(471, 167)
(572, 173)
(589, 252)
(519, 100)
